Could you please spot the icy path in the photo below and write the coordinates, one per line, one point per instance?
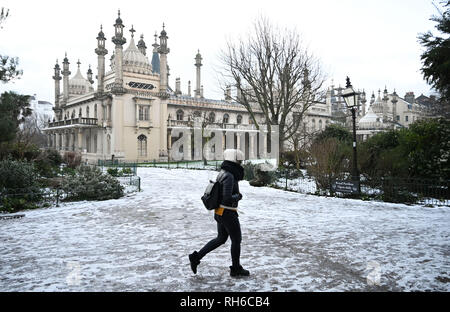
(291, 242)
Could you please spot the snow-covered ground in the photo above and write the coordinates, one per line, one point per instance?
(291, 242)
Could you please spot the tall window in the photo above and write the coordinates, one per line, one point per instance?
(250, 120)
(320, 124)
(88, 144)
(313, 124)
(142, 145)
(95, 143)
(87, 111)
(80, 113)
(239, 119)
(212, 117)
(226, 118)
(108, 144)
(180, 114)
(95, 111)
(143, 113)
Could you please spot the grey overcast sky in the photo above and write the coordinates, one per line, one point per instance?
(372, 41)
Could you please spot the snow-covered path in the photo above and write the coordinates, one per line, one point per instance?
(291, 242)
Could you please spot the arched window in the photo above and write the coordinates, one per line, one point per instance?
(73, 114)
(239, 119)
(226, 118)
(108, 144)
(142, 145)
(95, 111)
(80, 113)
(313, 126)
(212, 117)
(320, 124)
(180, 114)
(197, 114)
(88, 144)
(87, 111)
(95, 143)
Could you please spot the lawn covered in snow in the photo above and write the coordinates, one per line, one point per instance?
(291, 242)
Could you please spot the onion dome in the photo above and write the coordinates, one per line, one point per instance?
(370, 117)
(119, 20)
(78, 84)
(134, 61)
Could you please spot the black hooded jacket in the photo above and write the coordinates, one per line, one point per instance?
(229, 177)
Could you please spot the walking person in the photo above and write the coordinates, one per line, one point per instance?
(226, 215)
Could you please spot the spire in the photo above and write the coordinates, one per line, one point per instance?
(118, 38)
(79, 63)
(198, 64)
(141, 45)
(89, 75)
(101, 43)
(132, 31)
(163, 51)
(66, 74)
(155, 56)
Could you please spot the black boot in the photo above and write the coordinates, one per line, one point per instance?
(239, 271)
(194, 258)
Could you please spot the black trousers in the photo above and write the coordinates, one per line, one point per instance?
(227, 225)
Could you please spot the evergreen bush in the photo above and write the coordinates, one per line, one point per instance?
(89, 183)
(19, 187)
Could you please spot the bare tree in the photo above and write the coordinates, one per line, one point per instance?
(274, 74)
(205, 119)
(31, 132)
(300, 142)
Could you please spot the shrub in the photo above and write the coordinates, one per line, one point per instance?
(72, 159)
(47, 163)
(329, 161)
(249, 171)
(89, 183)
(113, 172)
(126, 171)
(19, 187)
(264, 175)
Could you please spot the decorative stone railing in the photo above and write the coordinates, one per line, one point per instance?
(74, 121)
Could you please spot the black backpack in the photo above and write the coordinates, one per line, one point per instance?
(211, 198)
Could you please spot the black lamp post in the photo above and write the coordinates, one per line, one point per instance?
(351, 101)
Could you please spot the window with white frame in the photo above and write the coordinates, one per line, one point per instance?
(142, 145)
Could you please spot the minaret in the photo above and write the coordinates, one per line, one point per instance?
(155, 56)
(189, 88)
(363, 102)
(57, 78)
(228, 93)
(89, 75)
(119, 41)
(177, 86)
(101, 52)
(394, 106)
(66, 74)
(385, 103)
(163, 51)
(141, 45)
(372, 99)
(198, 64)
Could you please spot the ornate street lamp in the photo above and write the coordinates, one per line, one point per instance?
(351, 101)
